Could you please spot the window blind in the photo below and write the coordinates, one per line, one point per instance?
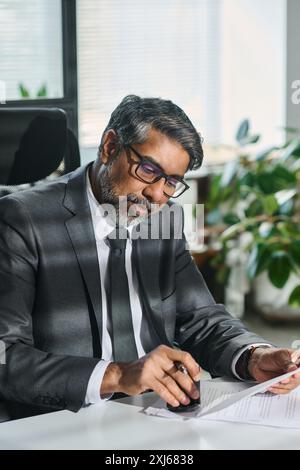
(166, 48)
(31, 48)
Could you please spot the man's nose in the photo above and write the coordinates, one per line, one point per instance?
(155, 192)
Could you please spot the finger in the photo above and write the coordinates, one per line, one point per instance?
(174, 389)
(294, 381)
(264, 375)
(277, 362)
(288, 387)
(183, 380)
(296, 356)
(291, 379)
(283, 358)
(285, 381)
(291, 367)
(186, 383)
(164, 393)
(283, 387)
(278, 391)
(188, 361)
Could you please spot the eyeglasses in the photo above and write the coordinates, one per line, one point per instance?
(150, 173)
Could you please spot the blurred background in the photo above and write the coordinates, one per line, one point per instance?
(232, 65)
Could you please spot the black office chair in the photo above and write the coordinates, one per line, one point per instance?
(35, 144)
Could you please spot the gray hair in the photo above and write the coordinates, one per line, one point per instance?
(134, 117)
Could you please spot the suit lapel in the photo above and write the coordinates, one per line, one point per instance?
(146, 256)
(81, 232)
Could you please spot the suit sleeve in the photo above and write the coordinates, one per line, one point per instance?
(30, 376)
(204, 328)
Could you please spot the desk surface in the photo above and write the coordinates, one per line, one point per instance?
(121, 425)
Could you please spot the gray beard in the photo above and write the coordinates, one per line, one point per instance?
(108, 196)
(107, 193)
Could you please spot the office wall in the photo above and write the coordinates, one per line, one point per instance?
(254, 66)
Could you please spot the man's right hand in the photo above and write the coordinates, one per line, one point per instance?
(155, 371)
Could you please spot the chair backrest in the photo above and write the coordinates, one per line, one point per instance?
(33, 143)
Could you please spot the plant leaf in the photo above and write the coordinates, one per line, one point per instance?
(270, 204)
(281, 173)
(222, 275)
(294, 299)
(23, 91)
(295, 167)
(287, 208)
(273, 181)
(264, 153)
(42, 92)
(251, 139)
(255, 208)
(258, 260)
(248, 179)
(266, 229)
(214, 217)
(291, 149)
(232, 231)
(214, 192)
(231, 218)
(292, 130)
(295, 251)
(243, 130)
(265, 183)
(279, 268)
(229, 173)
(285, 195)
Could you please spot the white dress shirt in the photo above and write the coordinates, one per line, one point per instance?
(102, 229)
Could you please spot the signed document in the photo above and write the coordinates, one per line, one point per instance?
(233, 401)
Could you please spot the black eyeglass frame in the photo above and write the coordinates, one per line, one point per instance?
(161, 173)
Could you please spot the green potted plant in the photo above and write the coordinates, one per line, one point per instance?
(254, 203)
(24, 92)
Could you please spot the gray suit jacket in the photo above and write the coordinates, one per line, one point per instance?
(50, 299)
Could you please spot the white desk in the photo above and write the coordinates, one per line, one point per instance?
(121, 425)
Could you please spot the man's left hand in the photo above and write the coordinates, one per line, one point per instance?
(267, 363)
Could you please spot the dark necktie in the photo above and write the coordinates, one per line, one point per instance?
(124, 347)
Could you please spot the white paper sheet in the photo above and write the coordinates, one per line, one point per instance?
(264, 408)
(241, 402)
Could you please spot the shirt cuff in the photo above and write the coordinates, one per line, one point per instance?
(93, 389)
(240, 352)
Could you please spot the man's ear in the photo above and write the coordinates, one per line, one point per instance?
(110, 147)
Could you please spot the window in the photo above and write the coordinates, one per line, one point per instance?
(220, 60)
(160, 48)
(31, 65)
(38, 65)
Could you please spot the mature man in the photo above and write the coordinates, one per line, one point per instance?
(85, 312)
